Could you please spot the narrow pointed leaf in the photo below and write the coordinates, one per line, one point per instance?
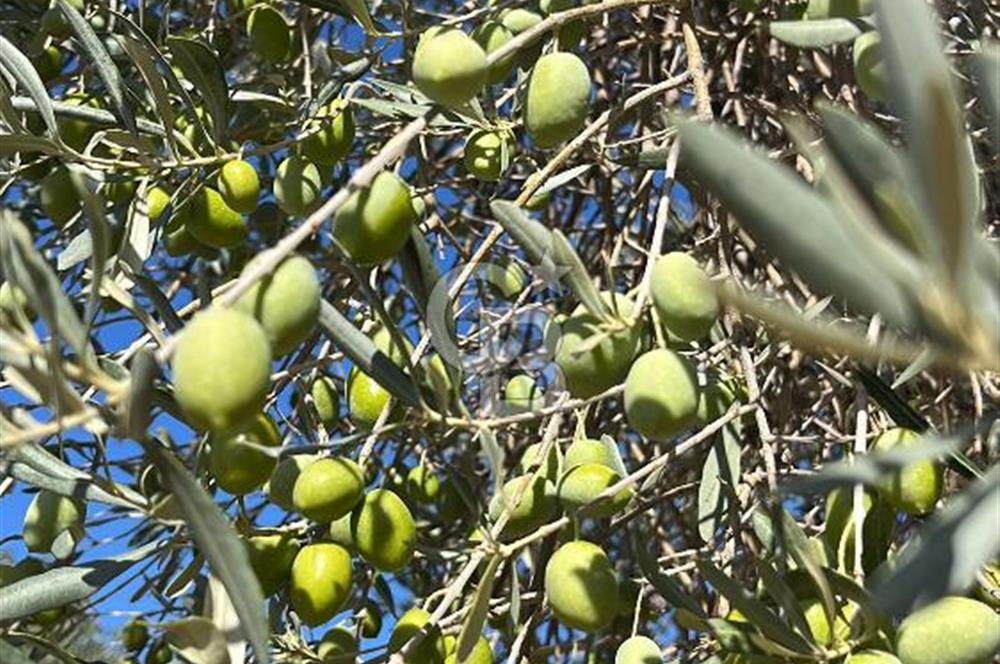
(20, 67)
(98, 56)
(577, 277)
(202, 68)
(226, 555)
(818, 33)
(472, 628)
(366, 356)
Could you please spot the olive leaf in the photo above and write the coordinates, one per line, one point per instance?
(819, 33)
(226, 555)
(472, 628)
(20, 68)
(719, 477)
(798, 549)
(366, 356)
(949, 550)
(198, 640)
(202, 68)
(105, 66)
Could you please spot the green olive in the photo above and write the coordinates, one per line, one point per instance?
(538, 505)
(333, 137)
(374, 223)
(383, 531)
(422, 485)
(280, 486)
(134, 636)
(661, 395)
(916, 488)
(326, 400)
(365, 399)
(487, 154)
(338, 645)
(491, 36)
(683, 296)
(430, 650)
(50, 515)
(297, 185)
(638, 650)
(270, 36)
(590, 368)
(328, 489)
(58, 197)
(587, 450)
(523, 395)
(239, 185)
(285, 302)
(952, 630)
(449, 66)
(481, 654)
(558, 99)
(581, 586)
(222, 370)
(583, 483)
(237, 464)
(157, 200)
(871, 657)
(207, 217)
(551, 466)
(320, 582)
(271, 558)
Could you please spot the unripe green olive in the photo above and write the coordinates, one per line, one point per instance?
(838, 8)
(491, 36)
(589, 372)
(869, 66)
(271, 558)
(178, 241)
(374, 223)
(683, 296)
(551, 466)
(12, 300)
(572, 32)
(49, 515)
(326, 400)
(487, 154)
(119, 191)
(581, 586)
(383, 531)
(917, 487)
(431, 649)
(517, 21)
(207, 217)
(538, 505)
(871, 657)
(506, 276)
(481, 654)
(58, 197)
(236, 463)
(49, 64)
(285, 302)
(661, 395)
(638, 650)
(522, 394)
(338, 646)
(449, 66)
(270, 36)
(340, 532)
(134, 636)
(332, 142)
(587, 450)
(239, 185)
(839, 531)
(280, 486)
(371, 623)
(297, 185)
(422, 485)
(75, 132)
(222, 369)
(157, 200)
(584, 483)
(558, 99)
(365, 399)
(452, 506)
(952, 630)
(320, 582)
(328, 489)
(713, 401)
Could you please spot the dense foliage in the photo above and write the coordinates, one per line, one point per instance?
(625, 330)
